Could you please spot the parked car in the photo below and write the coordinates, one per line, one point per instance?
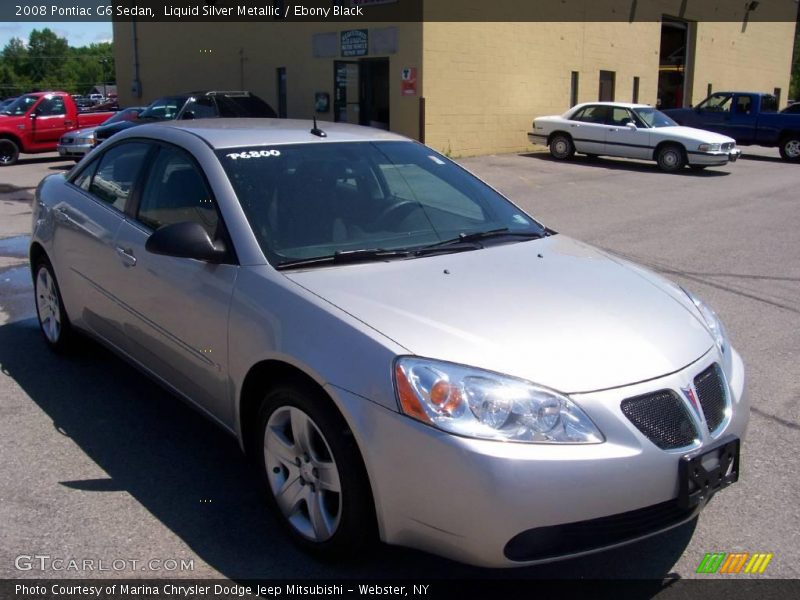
(96, 98)
(6, 102)
(401, 350)
(76, 144)
(196, 105)
(35, 122)
(792, 109)
(748, 117)
(631, 131)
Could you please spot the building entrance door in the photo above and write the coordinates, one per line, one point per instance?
(672, 67)
(361, 92)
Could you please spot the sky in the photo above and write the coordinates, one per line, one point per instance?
(77, 34)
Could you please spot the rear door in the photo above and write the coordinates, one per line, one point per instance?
(588, 129)
(741, 123)
(176, 318)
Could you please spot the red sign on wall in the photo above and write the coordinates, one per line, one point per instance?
(408, 82)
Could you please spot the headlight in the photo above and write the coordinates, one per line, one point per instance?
(482, 404)
(709, 147)
(715, 328)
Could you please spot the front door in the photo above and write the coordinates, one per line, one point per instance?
(623, 140)
(177, 308)
(49, 121)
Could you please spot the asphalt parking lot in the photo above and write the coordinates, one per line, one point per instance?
(99, 463)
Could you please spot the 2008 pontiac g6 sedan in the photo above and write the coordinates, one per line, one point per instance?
(403, 352)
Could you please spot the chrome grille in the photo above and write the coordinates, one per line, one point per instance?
(662, 417)
(710, 387)
(727, 146)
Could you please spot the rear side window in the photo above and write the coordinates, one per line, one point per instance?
(117, 172)
(176, 192)
(591, 114)
(769, 104)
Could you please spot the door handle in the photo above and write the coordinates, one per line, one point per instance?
(127, 257)
(63, 215)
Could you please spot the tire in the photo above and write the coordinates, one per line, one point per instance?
(671, 158)
(790, 148)
(561, 147)
(53, 320)
(313, 473)
(9, 152)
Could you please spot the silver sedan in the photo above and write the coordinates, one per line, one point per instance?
(404, 353)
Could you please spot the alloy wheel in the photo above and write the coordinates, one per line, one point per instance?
(48, 306)
(303, 475)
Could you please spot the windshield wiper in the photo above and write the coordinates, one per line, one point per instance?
(346, 256)
(477, 236)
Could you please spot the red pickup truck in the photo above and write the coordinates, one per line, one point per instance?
(33, 123)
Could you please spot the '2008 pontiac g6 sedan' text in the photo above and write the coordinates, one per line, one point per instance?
(403, 352)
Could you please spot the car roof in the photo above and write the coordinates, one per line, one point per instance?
(617, 104)
(233, 133)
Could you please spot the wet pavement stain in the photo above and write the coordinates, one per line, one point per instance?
(16, 247)
(16, 294)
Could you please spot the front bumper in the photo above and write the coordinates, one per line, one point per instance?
(74, 150)
(467, 499)
(712, 159)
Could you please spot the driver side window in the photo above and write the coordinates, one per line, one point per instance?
(176, 192)
(717, 103)
(51, 107)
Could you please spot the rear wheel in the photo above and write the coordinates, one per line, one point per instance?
(671, 158)
(9, 152)
(561, 146)
(314, 475)
(790, 148)
(53, 320)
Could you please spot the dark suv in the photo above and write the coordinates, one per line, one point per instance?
(194, 105)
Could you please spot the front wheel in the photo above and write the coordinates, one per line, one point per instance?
(315, 478)
(53, 320)
(561, 147)
(790, 148)
(9, 153)
(671, 158)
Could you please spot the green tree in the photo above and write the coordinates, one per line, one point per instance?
(47, 54)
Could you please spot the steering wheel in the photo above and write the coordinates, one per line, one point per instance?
(394, 212)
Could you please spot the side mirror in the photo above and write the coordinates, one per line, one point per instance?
(186, 240)
(631, 126)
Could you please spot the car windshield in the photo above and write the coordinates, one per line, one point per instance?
(309, 201)
(654, 118)
(164, 109)
(20, 106)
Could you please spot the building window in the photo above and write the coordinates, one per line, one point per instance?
(606, 93)
(635, 96)
(777, 93)
(573, 89)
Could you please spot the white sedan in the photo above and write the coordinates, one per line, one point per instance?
(631, 131)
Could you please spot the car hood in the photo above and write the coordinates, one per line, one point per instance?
(106, 131)
(698, 135)
(76, 133)
(553, 311)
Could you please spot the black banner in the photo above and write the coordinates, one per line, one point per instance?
(489, 589)
(375, 11)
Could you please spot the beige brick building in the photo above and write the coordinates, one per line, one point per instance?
(469, 87)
